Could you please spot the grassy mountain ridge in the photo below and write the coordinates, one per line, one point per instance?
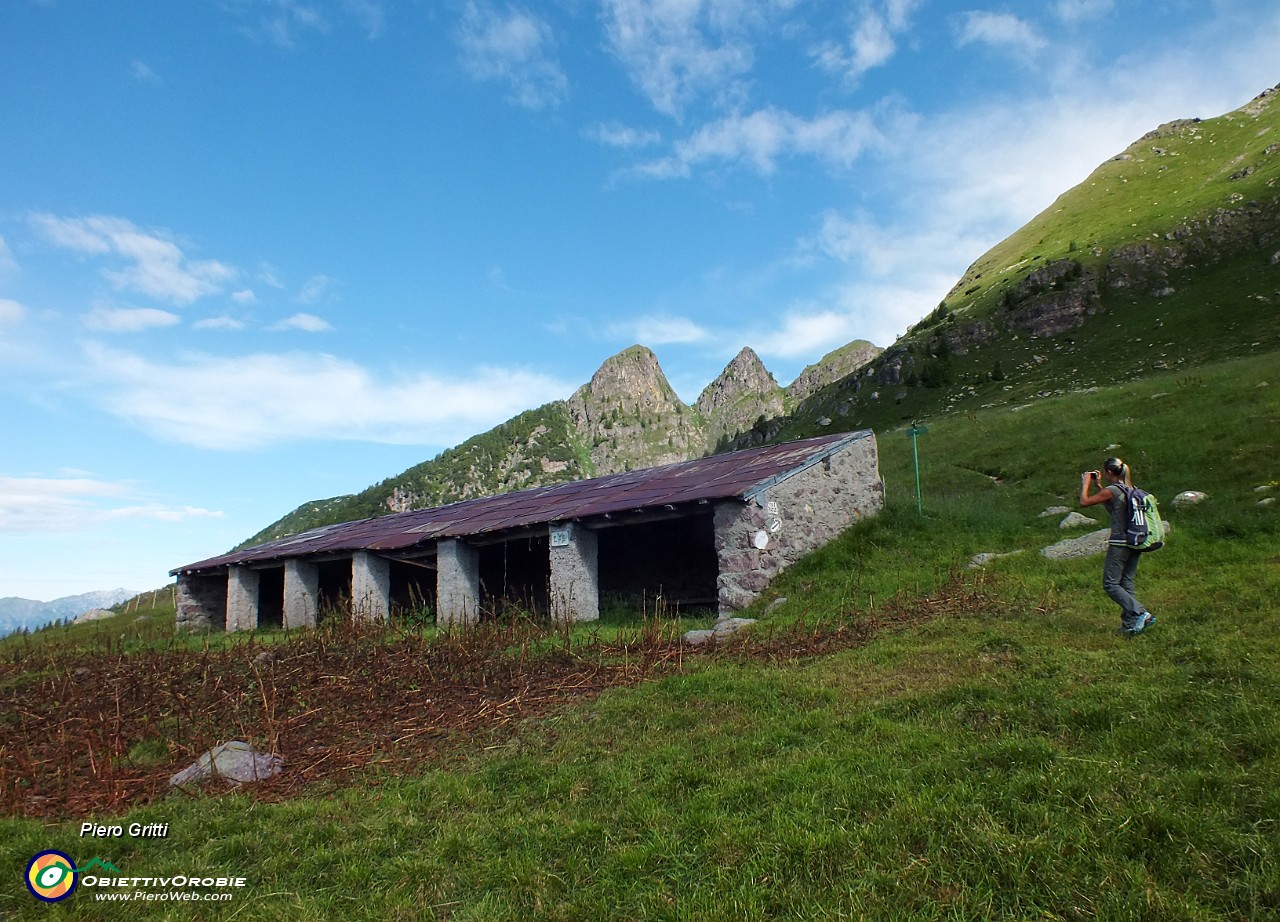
(1166, 256)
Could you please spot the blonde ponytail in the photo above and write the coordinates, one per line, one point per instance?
(1120, 470)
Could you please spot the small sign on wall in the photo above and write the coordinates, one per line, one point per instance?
(561, 536)
(773, 518)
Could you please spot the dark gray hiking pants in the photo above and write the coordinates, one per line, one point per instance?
(1117, 581)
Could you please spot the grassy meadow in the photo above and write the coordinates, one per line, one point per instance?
(993, 750)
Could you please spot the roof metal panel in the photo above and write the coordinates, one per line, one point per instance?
(739, 474)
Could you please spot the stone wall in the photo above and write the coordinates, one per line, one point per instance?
(757, 540)
(370, 587)
(575, 577)
(242, 598)
(301, 594)
(202, 602)
(457, 582)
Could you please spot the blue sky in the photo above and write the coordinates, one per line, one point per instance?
(255, 252)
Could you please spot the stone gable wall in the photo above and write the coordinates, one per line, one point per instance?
(755, 541)
(202, 603)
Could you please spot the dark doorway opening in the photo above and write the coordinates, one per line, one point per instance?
(271, 599)
(515, 577)
(335, 589)
(669, 565)
(413, 590)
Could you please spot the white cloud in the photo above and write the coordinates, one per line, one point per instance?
(268, 275)
(142, 73)
(877, 310)
(761, 138)
(160, 513)
(804, 334)
(222, 322)
(658, 330)
(514, 47)
(279, 22)
(244, 296)
(67, 504)
(155, 267)
(677, 51)
(250, 401)
(307, 323)
(884, 250)
(286, 22)
(8, 265)
(314, 289)
(999, 30)
(128, 319)
(11, 311)
(621, 136)
(871, 41)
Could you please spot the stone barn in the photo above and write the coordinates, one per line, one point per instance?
(703, 533)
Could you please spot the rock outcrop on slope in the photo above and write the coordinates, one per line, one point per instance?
(629, 415)
(837, 364)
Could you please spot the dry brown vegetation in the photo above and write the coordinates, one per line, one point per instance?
(88, 732)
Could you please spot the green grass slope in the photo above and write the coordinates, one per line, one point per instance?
(1166, 257)
(1001, 753)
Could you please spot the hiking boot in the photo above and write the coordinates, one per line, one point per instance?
(1148, 619)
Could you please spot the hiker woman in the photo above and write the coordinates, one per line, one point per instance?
(1122, 561)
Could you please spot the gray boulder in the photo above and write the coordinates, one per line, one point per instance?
(1090, 545)
(725, 627)
(236, 761)
(1076, 520)
(977, 561)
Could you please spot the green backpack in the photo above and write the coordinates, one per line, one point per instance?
(1144, 530)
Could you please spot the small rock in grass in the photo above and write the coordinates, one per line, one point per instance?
(236, 761)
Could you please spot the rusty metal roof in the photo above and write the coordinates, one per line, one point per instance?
(738, 474)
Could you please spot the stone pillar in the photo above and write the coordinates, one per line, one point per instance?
(370, 587)
(457, 582)
(746, 551)
(575, 573)
(242, 599)
(301, 593)
(201, 602)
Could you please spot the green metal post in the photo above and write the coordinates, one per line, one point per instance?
(915, 451)
(915, 432)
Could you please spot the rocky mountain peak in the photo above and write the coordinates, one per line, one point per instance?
(631, 417)
(743, 393)
(631, 382)
(837, 364)
(744, 375)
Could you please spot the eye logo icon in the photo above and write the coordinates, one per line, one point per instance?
(51, 876)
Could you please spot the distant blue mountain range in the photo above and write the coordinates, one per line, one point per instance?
(16, 613)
